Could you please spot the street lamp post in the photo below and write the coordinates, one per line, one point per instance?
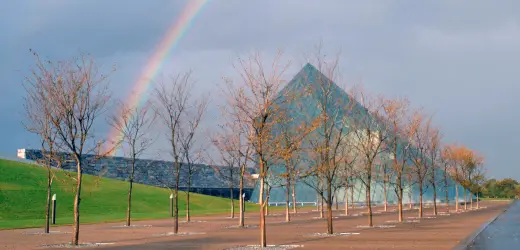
(53, 219)
(243, 202)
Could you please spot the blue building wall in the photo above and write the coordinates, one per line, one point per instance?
(210, 180)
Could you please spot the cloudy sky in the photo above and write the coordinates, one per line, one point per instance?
(456, 59)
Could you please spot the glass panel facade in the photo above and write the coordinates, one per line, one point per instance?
(304, 86)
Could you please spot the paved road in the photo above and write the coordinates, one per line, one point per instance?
(503, 233)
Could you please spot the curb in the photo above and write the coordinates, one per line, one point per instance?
(464, 243)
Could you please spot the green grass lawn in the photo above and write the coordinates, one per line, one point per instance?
(23, 196)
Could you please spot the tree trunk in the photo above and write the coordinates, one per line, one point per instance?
(465, 200)
(176, 197)
(261, 193)
(263, 239)
(336, 199)
(369, 203)
(295, 209)
(242, 204)
(400, 197)
(330, 229)
(231, 194)
(410, 198)
(352, 196)
(456, 197)
(434, 202)
(267, 200)
(232, 203)
(129, 202)
(321, 208)
(188, 214)
(384, 193)
(434, 186)
(77, 201)
(346, 197)
(410, 201)
(287, 197)
(48, 205)
(446, 193)
(346, 202)
(400, 206)
(471, 200)
(446, 190)
(478, 201)
(420, 200)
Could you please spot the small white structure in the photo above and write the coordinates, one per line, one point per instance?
(21, 153)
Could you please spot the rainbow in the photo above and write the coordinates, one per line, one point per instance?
(170, 41)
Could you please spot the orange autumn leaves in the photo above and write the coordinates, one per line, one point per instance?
(463, 161)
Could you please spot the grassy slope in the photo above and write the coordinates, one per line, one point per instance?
(23, 195)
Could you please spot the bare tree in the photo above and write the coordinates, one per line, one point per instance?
(234, 153)
(181, 115)
(230, 157)
(419, 155)
(398, 145)
(245, 154)
(328, 143)
(191, 156)
(133, 124)
(368, 136)
(386, 172)
(288, 146)
(433, 149)
(272, 180)
(348, 174)
(38, 114)
(446, 161)
(76, 94)
(254, 103)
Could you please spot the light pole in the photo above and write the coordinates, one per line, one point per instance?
(243, 202)
(53, 209)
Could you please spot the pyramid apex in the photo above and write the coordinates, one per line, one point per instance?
(308, 65)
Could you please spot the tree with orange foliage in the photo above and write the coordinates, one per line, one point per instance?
(471, 162)
(458, 157)
(397, 145)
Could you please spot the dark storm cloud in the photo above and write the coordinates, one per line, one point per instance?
(457, 59)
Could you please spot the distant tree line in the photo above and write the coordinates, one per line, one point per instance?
(505, 188)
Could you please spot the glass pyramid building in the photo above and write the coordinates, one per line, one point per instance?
(305, 107)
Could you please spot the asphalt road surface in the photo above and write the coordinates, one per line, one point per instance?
(503, 233)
